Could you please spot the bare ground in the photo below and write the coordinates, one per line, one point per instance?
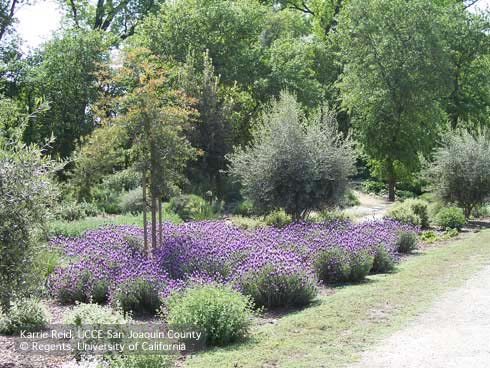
(453, 333)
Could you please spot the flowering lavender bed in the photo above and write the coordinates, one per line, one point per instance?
(105, 263)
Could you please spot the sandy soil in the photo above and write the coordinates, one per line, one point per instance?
(453, 333)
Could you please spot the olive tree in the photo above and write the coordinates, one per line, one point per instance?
(293, 162)
(460, 171)
(26, 194)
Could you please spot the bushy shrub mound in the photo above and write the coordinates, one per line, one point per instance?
(221, 313)
(277, 218)
(360, 262)
(131, 201)
(450, 217)
(383, 261)
(191, 207)
(243, 208)
(406, 242)
(411, 211)
(460, 172)
(276, 278)
(139, 295)
(332, 265)
(25, 314)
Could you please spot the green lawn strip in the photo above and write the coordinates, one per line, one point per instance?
(335, 330)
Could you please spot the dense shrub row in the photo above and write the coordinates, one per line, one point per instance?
(274, 266)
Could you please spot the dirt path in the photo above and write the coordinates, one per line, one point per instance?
(454, 333)
(370, 207)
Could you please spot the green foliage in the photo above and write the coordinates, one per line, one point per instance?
(406, 242)
(247, 223)
(243, 208)
(191, 207)
(27, 196)
(71, 211)
(371, 186)
(450, 233)
(141, 361)
(383, 261)
(460, 172)
(139, 296)
(428, 236)
(278, 218)
(350, 200)
(393, 78)
(294, 163)
(272, 289)
(411, 211)
(481, 211)
(332, 265)
(360, 262)
(132, 201)
(329, 215)
(25, 314)
(450, 217)
(221, 313)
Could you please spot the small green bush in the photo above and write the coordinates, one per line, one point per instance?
(332, 265)
(331, 215)
(383, 261)
(452, 217)
(277, 218)
(25, 314)
(221, 313)
(428, 236)
(97, 317)
(272, 288)
(450, 233)
(371, 186)
(481, 211)
(247, 223)
(349, 200)
(72, 211)
(131, 201)
(406, 242)
(139, 296)
(361, 262)
(191, 207)
(411, 211)
(243, 208)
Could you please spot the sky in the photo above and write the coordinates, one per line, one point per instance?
(37, 22)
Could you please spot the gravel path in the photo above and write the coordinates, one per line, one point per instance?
(454, 333)
(370, 207)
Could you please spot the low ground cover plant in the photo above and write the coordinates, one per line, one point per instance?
(276, 267)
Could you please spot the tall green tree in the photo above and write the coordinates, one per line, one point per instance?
(64, 73)
(154, 115)
(393, 79)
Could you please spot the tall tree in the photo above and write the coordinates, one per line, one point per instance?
(119, 17)
(8, 8)
(154, 116)
(64, 74)
(394, 76)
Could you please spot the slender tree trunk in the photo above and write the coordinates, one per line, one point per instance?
(153, 221)
(160, 226)
(391, 181)
(145, 229)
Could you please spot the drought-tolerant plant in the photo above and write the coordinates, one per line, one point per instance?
(383, 260)
(25, 314)
(294, 163)
(360, 262)
(277, 218)
(450, 217)
(221, 313)
(276, 279)
(371, 186)
(428, 236)
(191, 207)
(139, 296)
(131, 201)
(406, 242)
(460, 172)
(411, 211)
(332, 265)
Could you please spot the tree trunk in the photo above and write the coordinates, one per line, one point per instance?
(391, 189)
(160, 227)
(145, 229)
(153, 221)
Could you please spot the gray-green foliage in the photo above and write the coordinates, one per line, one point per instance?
(450, 217)
(27, 193)
(296, 163)
(406, 242)
(25, 314)
(460, 172)
(411, 211)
